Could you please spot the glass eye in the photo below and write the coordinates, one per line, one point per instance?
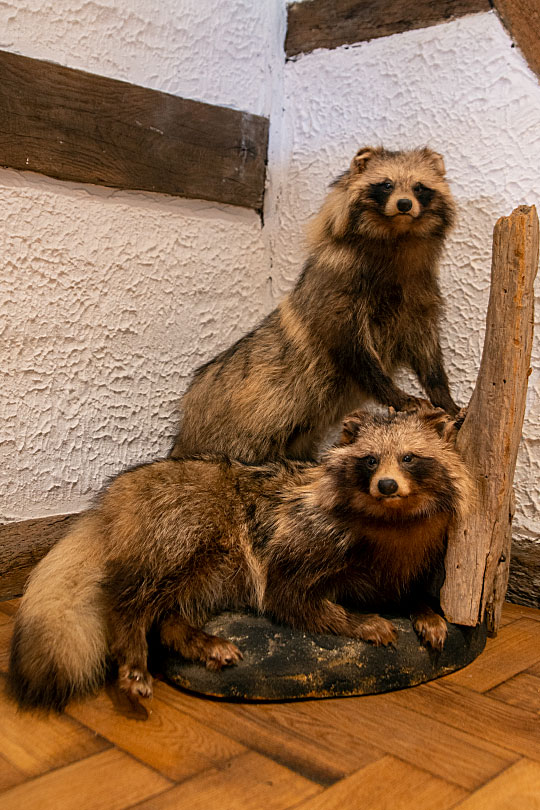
(387, 185)
(407, 458)
(419, 187)
(371, 461)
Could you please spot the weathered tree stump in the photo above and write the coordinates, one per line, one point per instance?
(478, 556)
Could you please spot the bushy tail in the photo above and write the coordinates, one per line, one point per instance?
(59, 644)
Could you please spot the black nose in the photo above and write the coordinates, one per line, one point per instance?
(387, 486)
(404, 205)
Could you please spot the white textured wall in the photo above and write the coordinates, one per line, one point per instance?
(464, 90)
(108, 299)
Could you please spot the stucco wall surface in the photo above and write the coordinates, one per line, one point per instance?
(109, 299)
(219, 51)
(462, 89)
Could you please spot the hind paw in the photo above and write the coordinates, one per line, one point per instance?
(219, 653)
(137, 683)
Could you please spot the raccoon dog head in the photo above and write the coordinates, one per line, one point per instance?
(386, 194)
(398, 467)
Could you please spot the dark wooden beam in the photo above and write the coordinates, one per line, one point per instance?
(522, 19)
(331, 23)
(22, 545)
(77, 126)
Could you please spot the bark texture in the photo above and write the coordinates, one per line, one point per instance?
(478, 556)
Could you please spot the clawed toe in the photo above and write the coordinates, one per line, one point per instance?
(222, 654)
(432, 632)
(137, 683)
(378, 631)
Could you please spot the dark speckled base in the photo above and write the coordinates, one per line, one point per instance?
(284, 664)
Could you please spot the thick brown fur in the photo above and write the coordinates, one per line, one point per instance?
(366, 303)
(173, 542)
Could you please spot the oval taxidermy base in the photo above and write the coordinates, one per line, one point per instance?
(281, 663)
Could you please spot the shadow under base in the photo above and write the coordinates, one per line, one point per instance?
(285, 664)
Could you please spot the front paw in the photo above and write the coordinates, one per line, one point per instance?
(221, 653)
(432, 630)
(376, 630)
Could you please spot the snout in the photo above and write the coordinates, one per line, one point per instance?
(402, 208)
(404, 205)
(387, 486)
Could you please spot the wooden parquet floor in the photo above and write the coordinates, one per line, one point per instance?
(470, 741)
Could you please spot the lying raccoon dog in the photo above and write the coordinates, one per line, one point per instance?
(366, 303)
(173, 542)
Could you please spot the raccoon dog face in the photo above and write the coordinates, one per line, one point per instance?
(397, 193)
(400, 467)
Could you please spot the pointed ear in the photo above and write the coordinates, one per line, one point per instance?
(361, 159)
(436, 160)
(441, 422)
(351, 426)
(460, 417)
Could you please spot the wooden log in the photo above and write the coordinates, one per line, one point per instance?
(478, 556)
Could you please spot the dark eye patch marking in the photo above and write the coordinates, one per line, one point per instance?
(423, 194)
(363, 471)
(422, 468)
(431, 476)
(379, 192)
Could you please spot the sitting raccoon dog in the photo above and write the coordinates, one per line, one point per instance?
(366, 303)
(173, 542)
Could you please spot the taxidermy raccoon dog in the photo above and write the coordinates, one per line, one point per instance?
(173, 542)
(366, 303)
